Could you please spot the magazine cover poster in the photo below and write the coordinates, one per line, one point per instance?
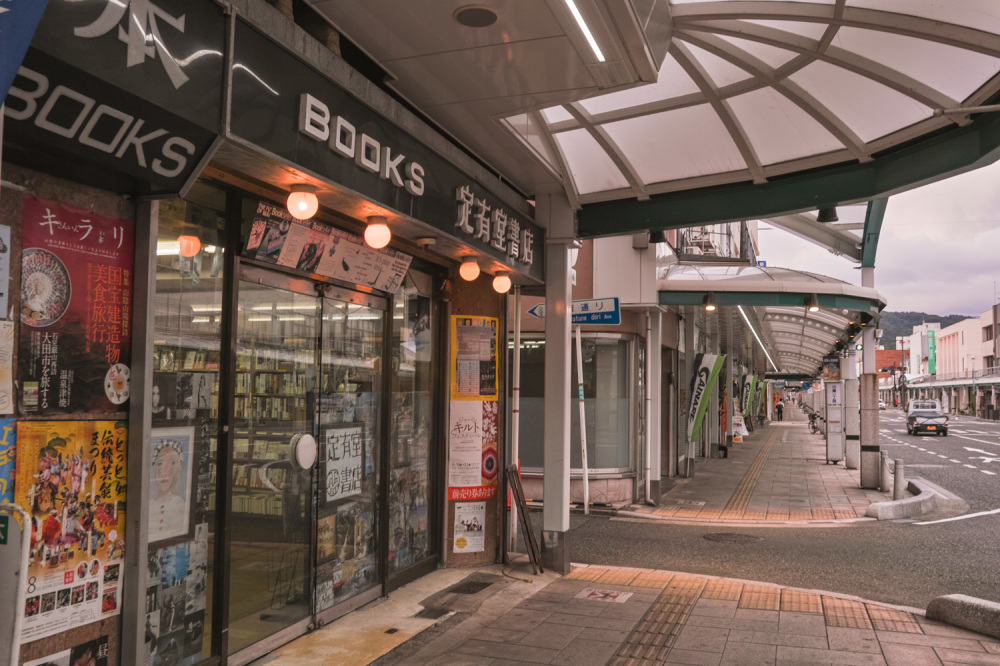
(75, 345)
(71, 479)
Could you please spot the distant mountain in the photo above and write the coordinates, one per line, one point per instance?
(895, 324)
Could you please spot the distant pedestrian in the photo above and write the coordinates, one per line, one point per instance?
(779, 407)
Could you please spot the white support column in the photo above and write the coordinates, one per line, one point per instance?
(558, 390)
(684, 380)
(852, 411)
(654, 423)
(869, 397)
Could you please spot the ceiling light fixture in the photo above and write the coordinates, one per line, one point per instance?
(585, 29)
(812, 303)
(827, 214)
(469, 270)
(302, 202)
(502, 282)
(659, 236)
(188, 246)
(377, 233)
(475, 16)
(709, 302)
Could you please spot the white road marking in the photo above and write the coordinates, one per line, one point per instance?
(955, 461)
(968, 515)
(941, 456)
(969, 466)
(988, 472)
(981, 441)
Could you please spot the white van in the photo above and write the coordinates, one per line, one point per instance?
(924, 405)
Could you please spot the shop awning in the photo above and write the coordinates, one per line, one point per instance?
(778, 300)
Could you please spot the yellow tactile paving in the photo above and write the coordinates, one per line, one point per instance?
(687, 512)
(709, 514)
(822, 514)
(755, 515)
(844, 513)
(845, 613)
(801, 602)
(760, 597)
(777, 514)
(890, 619)
(725, 590)
(587, 573)
(619, 576)
(800, 514)
(653, 579)
(741, 496)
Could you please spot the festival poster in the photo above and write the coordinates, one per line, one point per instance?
(472, 450)
(75, 347)
(71, 478)
(8, 448)
(474, 358)
(470, 520)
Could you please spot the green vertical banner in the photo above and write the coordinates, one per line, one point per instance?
(749, 388)
(931, 352)
(707, 368)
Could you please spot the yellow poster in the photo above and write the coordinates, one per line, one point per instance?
(71, 479)
(474, 358)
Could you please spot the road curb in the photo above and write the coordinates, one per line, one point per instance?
(921, 502)
(959, 610)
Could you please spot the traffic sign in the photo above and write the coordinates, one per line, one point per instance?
(602, 311)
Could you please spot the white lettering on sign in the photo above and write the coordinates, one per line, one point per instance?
(342, 138)
(493, 227)
(64, 112)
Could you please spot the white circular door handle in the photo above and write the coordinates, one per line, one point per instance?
(304, 451)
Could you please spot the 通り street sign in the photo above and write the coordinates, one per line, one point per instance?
(588, 311)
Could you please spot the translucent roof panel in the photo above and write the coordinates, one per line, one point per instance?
(751, 91)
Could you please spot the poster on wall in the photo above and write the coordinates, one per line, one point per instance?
(71, 479)
(170, 484)
(6, 367)
(474, 358)
(75, 347)
(470, 522)
(8, 448)
(472, 450)
(315, 247)
(345, 451)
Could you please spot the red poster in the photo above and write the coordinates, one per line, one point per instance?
(75, 344)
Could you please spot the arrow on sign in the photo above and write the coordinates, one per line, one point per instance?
(537, 311)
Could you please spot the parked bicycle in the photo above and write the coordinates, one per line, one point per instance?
(813, 422)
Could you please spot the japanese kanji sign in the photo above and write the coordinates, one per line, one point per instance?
(75, 347)
(345, 450)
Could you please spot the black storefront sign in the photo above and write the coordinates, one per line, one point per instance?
(284, 106)
(134, 87)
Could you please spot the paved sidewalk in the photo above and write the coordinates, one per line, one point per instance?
(778, 474)
(624, 616)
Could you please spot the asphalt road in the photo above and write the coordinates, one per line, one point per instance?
(904, 562)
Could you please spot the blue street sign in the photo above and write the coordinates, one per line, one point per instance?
(18, 21)
(588, 311)
(537, 310)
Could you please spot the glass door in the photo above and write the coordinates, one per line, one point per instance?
(349, 546)
(270, 554)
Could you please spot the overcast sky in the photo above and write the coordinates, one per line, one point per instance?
(939, 250)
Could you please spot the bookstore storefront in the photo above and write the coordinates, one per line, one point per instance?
(280, 405)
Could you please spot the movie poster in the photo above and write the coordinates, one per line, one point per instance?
(71, 478)
(75, 347)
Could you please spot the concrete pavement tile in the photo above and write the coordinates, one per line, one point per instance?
(963, 657)
(574, 607)
(714, 608)
(693, 657)
(751, 614)
(500, 635)
(991, 647)
(796, 655)
(897, 654)
(551, 635)
(624, 611)
(806, 624)
(625, 624)
(932, 628)
(529, 653)
(604, 635)
(747, 654)
(461, 660)
(732, 623)
(853, 640)
(772, 638)
(705, 639)
(520, 619)
(588, 652)
(932, 641)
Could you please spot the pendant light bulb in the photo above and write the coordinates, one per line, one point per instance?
(188, 246)
(377, 233)
(302, 202)
(469, 270)
(502, 282)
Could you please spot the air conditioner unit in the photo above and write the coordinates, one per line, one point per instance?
(691, 249)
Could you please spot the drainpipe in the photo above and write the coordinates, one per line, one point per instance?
(649, 399)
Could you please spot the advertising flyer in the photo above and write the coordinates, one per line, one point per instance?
(470, 519)
(474, 358)
(71, 478)
(472, 450)
(75, 347)
(8, 448)
(309, 245)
